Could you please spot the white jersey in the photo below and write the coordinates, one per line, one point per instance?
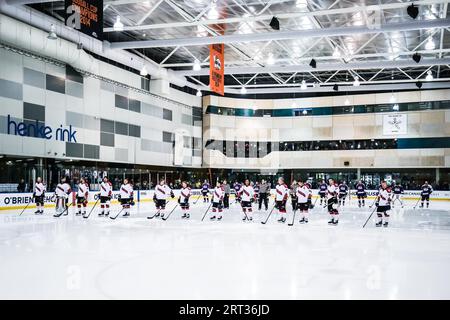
(39, 189)
(83, 190)
(162, 192)
(185, 193)
(105, 189)
(332, 191)
(281, 192)
(246, 193)
(384, 197)
(126, 191)
(303, 194)
(218, 194)
(63, 190)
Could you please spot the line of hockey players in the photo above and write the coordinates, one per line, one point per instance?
(331, 195)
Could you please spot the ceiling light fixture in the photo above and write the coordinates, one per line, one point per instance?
(393, 99)
(412, 11)
(243, 90)
(275, 24)
(144, 71)
(118, 25)
(429, 76)
(347, 102)
(430, 44)
(197, 66)
(356, 83)
(199, 93)
(52, 33)
(336, 53)
(303, 86)
(270, 60)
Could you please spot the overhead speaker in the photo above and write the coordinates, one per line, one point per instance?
(416, 57)
(275, 23)
(313, 64)
(413, 11)
(419, 84)
(336, 87)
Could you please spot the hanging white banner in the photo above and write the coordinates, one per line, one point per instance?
(395, 124)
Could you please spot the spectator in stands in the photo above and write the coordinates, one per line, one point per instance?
(21, 187)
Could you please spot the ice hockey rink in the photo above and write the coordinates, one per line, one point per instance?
(43, 257)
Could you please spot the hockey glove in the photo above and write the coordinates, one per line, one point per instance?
(172, 195)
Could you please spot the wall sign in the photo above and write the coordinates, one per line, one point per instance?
(394, 124)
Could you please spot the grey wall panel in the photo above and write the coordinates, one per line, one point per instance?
(74, 150)
(121, 154)
(74, 119)
(91, 123)
(34, 78)
(186, 119)
(11, 90)
(134, 131)
(91, 151)
(33, 111)
(167, 114)
(107, 139)
(121, 128)
(121, 102)
(107, 86)
(55, 84)
(74, 89)
(134, 105)
(107, 126)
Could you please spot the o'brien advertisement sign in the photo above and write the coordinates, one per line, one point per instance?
(39, 130)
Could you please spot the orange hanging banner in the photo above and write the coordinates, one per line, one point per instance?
(217, 68)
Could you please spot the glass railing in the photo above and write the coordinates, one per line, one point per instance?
(327, 111)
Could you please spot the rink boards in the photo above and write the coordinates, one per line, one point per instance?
(18, 201)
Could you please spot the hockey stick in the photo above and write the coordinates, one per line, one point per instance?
(66, 209)
(374, 201)
(25, 208)
(418, 200)
(369, 217)
(270, 213)
(157, 212)
(293, 220)
(314, 204)
(200, 196)
(167, 217)
(115, 217)
(88, 215)
(210, 204)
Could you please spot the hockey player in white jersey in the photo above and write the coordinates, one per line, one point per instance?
(217, 202)
(247, 195)
(183, 200)
(304, 195)
(39, 195)
(82, 196)
(162, 193)
(383, 204)
(62, 193)
(126, 197)
(281, 195)
(332, 202)
(105, 196)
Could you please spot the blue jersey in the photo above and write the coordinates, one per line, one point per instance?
(360, 188)
(256, 188)
(237, 187)
(398, 189)
(343, 188)
(205, 187)
(426, 190)
(323, 188)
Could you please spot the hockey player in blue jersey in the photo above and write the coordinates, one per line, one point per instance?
(237, 187)
(205, 191)
(425, 194)
(361, 193)
(397, 191)
(343, 192)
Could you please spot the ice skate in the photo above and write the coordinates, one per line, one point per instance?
(385, 224)
(379, 224)
(331, 221)
(282, 220)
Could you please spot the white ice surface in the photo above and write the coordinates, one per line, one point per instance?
(42, 257)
